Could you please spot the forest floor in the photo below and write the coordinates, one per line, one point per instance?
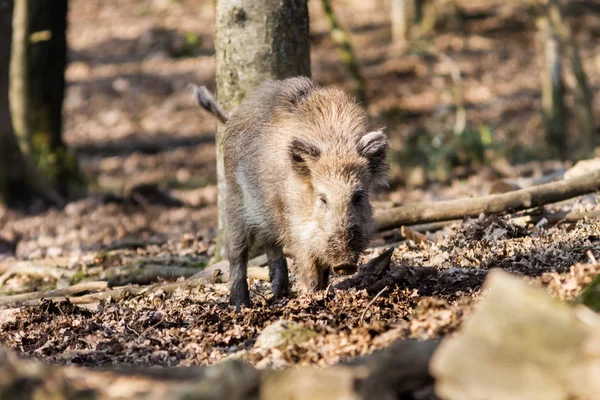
(149, 154)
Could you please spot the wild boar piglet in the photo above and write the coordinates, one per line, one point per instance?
(299, 163)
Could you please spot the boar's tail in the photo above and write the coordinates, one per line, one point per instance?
(207, 101)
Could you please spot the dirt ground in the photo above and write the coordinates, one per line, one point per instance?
(133, 123)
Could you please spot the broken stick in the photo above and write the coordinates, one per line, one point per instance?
(536, 196)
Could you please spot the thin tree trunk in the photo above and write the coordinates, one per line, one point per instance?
(553, 108)
(341, 38)
(412, 19)
(425, 16)
(20, 183)
(19, 65)
(402, 19)
(255, 41)
(37, 90)
(583, 93)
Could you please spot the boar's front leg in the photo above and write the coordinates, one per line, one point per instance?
(237, 252)
(323, 277)
(278, 270)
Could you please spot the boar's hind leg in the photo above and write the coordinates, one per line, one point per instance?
(237, 251)
(278, 270)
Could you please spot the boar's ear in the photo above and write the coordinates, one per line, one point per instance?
(373, 146)
(301, 153)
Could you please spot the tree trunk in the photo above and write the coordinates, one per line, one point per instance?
(20, 183)
(425, 16)
(412, 19)
(255, 41)
(553, 108)
(402, 19)
(342, 39)
(19, 105)
(584, 97)
(37, 90)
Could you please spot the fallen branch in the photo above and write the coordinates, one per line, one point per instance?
(219, 272)
(559, 217)
(419, 213)
(33, 269)
(146, 274)
(120, 293)
(83, 287)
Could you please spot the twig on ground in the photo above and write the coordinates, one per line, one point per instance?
(256, 292)
(413, 235)
(362, 316)
(591, 257)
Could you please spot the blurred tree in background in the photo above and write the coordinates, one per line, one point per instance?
(568, 127)
(37, 163)
(37, 87)
(411, 18)
(558, 48)
(20, 182)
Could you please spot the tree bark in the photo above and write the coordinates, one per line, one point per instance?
(255, 41)
(37, 90)
(20, 182)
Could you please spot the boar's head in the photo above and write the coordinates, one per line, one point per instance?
(336, 177)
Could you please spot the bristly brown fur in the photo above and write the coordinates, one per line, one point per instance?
(299, 160)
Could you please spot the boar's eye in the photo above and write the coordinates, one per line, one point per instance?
(357, 198)
(322, 200)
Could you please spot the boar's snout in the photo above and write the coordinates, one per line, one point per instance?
(345, 249)
(345, 269)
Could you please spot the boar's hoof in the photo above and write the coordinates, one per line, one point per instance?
(239, 298)
(345, 269)
(280, 285)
